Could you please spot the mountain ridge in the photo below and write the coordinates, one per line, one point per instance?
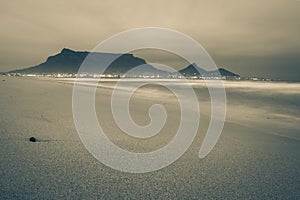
(69, 61)
(194, 70)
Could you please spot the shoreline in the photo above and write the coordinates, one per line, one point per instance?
(249, 160)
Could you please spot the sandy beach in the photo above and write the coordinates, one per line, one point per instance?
(256, 157)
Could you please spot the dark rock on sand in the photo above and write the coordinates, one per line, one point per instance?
(32, 139)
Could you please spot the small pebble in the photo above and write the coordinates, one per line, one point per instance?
(32, 139)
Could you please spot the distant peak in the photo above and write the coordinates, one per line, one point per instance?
(193, 65)
(66, 50)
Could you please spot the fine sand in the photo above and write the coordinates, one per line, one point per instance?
(256, 157)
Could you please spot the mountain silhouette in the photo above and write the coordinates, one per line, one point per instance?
(69, 61)
(194, 70)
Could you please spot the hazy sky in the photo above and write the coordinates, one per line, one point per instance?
(252, 38)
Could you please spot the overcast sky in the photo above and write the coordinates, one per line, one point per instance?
(252, 38)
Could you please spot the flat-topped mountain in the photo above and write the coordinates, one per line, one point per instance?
(69, 61)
